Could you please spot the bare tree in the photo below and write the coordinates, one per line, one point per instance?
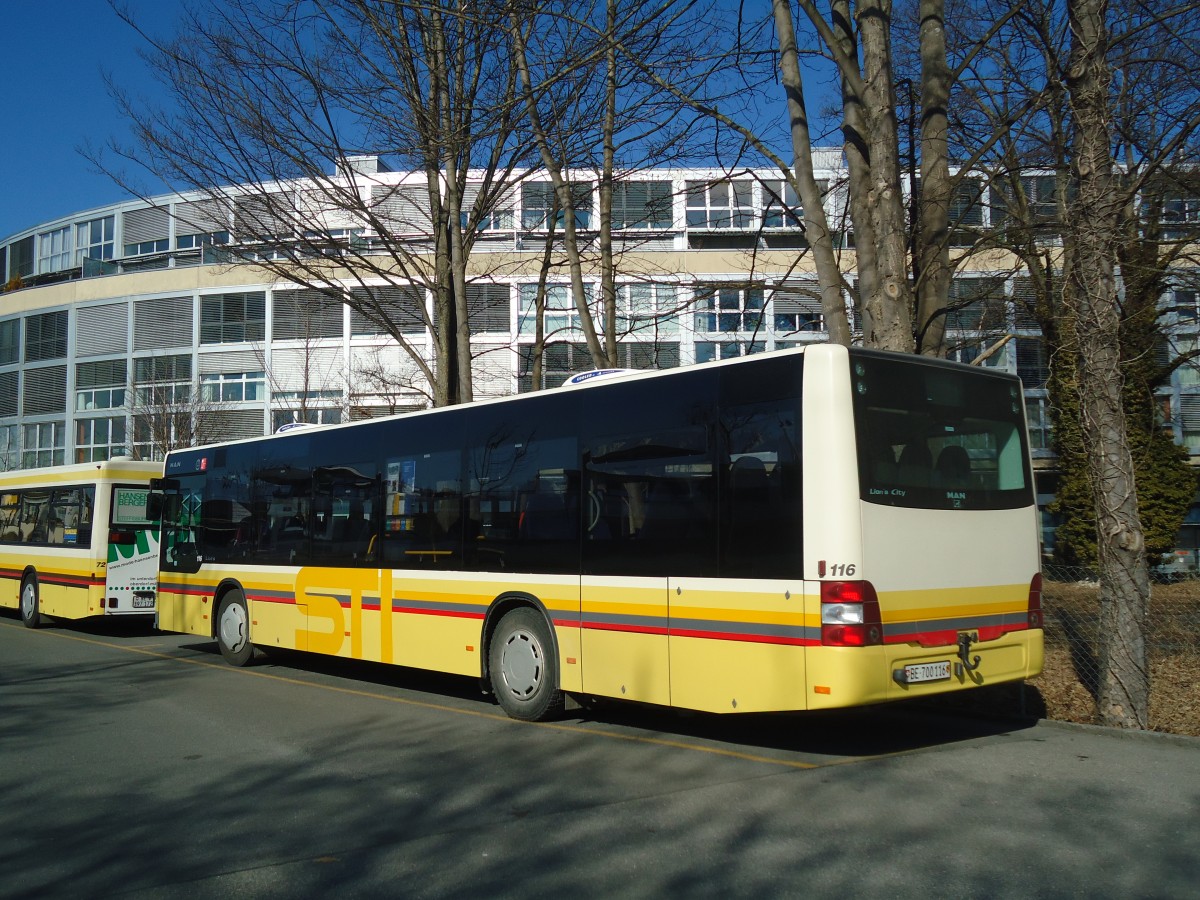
(1096, 261)
(1092, 297)
(170, 417)
(588, 79)
(277, 109)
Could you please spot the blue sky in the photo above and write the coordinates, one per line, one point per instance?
(52, 64)
(52, 69)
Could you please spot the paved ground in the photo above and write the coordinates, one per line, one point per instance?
(137, 763)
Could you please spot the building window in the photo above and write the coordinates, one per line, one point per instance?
(10, 447)
(641, 204)
(233, 318)
(233, 387)
(1180, 216)
(559, 315)
(321, 415)
(721, 204)
(730, 309)
(966, 204)
(143, 248)
(100, 398)
(707, 351)
(490, 220)
(10, 341)
(970, 349)
(162, 381)
(99, 439)
(781, 206)
(1032, 368)
(538, 203)
(1189, 421)
(562, 360)
(796, 309)
(203, 239)
(977, 304)
(46, 336)
(44, 445)
(94, 240)
(100, 385)
(1185, 308)
(20, 258)
(647, 309)
(1041, 431)
(54, 250)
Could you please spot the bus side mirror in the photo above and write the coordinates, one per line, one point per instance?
(154, 507)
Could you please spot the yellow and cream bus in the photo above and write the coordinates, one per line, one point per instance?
(797, 530)
(75, 541)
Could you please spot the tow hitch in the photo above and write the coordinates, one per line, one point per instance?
(966, 663)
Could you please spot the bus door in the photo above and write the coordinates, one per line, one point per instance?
(132, 573)
(647, 506)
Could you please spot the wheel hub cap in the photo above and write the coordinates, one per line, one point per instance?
(521, 664)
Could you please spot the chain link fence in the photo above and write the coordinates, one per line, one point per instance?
(1068, 686)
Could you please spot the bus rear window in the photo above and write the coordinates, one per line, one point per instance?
(939, 436)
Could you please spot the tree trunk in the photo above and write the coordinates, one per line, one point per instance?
(1124, 578)
(858, 166)
(890, 310)
(608, 275)
(563, 191)
(932, 245)
(816, 226)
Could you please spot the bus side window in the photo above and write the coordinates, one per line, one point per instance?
(761, 509)
(84, 524)
(10, 512)
(35, 508)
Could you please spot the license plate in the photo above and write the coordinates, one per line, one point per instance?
(143, 603)
(935, 671)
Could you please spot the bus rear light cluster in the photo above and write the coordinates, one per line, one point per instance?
(1035, 602)
(850, 614)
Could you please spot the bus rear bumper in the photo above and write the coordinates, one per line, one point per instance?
(855, 676)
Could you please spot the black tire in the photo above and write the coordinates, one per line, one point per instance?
(31, 610)
(523, 668)
(233, 629)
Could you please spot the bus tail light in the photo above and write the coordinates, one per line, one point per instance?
(121, 537)
(850, 614)
(1035, 602)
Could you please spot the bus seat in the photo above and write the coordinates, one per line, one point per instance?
(953, 468)
(322, 521)
(883, 464)
(546, 518)
(353, 532)
(916, 465)
(670, 513)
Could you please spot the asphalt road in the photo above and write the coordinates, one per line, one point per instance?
(134, 763)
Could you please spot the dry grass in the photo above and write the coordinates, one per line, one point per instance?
(1067, 684)
(1066, 688)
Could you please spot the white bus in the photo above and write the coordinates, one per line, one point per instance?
(75, 541)
(797, 530)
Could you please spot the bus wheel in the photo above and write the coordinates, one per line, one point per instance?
(233, 629)
(30, 609)
(522, 667)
